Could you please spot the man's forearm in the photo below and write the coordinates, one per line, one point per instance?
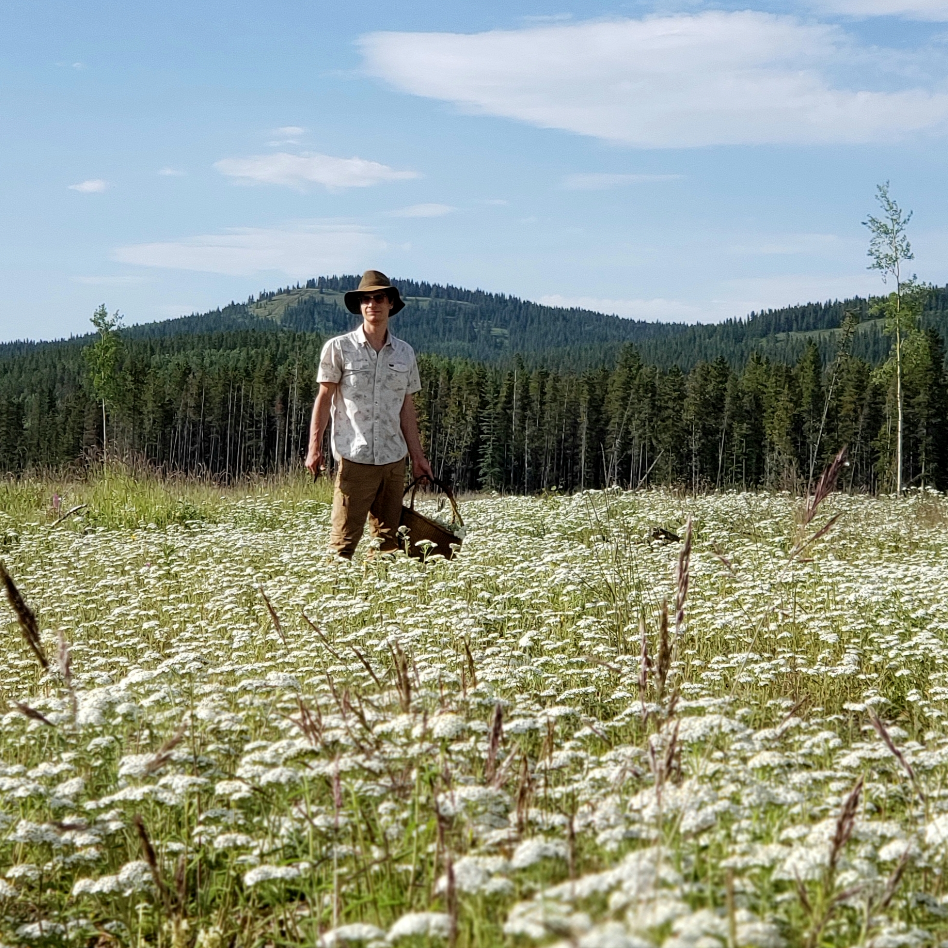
(320, 418)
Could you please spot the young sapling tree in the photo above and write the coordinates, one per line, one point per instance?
(102, 358)
(889, 250)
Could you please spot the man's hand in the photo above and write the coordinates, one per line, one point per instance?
(314, 461)
(421, 468)
(409, 421)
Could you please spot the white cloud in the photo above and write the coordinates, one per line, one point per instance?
(742, 296)
(92, 186)
(653, 310)
(171, 173)
(727, 300)
(109, 280)
(286, 135)
(423, 210)
(298, 250)
(933, 10)
(602, 182)
(547, 18)
(789, 244)
(297, 171)
(712, 78)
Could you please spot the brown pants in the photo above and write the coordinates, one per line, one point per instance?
(366, 489)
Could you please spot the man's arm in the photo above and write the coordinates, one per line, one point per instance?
(409, 421)
(317, 426)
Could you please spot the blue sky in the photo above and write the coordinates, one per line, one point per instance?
(670, 159)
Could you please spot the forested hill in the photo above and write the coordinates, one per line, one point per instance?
(489, 327)
(494, 328)
(515, 396)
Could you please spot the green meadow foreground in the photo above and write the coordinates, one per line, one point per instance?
(474, 752)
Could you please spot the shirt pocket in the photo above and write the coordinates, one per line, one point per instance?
(396, 377)
(355, 373)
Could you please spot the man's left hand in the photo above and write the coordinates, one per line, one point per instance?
(421, 468)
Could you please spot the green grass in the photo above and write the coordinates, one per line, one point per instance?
(119, 497)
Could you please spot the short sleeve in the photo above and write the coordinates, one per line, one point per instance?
(414, 380)
(330, 363)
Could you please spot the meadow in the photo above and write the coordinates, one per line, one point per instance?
(581, 731)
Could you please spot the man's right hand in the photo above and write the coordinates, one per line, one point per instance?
(314, 462)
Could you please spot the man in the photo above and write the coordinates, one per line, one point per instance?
(367, 380)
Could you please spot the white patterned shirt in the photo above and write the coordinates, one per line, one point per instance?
(366, 408)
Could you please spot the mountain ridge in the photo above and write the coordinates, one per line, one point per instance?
(455, 322)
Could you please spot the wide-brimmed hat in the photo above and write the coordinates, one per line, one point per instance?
(373, 281)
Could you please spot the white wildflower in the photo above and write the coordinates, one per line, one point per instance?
(34, 931)
(27, 832)
(234, 789)
(49, 769)
(70, 788)
(421, 924)
(268, 873)
(135, 765)
(134, 877)
(895, 849)
(479, 874)
(447, 726)
(537, 919)
(612, 935)
(351, 934)
(534, 850)
(936, 832)
(233, 841)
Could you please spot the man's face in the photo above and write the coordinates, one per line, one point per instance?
(376, 307)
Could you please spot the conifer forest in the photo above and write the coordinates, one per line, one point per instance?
(596, 401)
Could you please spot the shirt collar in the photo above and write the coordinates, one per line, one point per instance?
(360, 337)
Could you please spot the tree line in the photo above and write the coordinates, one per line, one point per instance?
(494, 328)
(235, 403)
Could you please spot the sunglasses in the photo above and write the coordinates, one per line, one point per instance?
(374, 298)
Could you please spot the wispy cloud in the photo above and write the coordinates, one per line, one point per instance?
(932, 10)
(92, 186)
(750, 294)
(653, 310)
(126, 280)
(789, 244)
(423, 210)
(298, 171)
(729, 299)
(711, 78)
(603, 182)
(299, 250)
(286, 135)
(547, 18)
(171, 173)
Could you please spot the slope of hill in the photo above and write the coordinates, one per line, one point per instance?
(494, 328)
(488, 327)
